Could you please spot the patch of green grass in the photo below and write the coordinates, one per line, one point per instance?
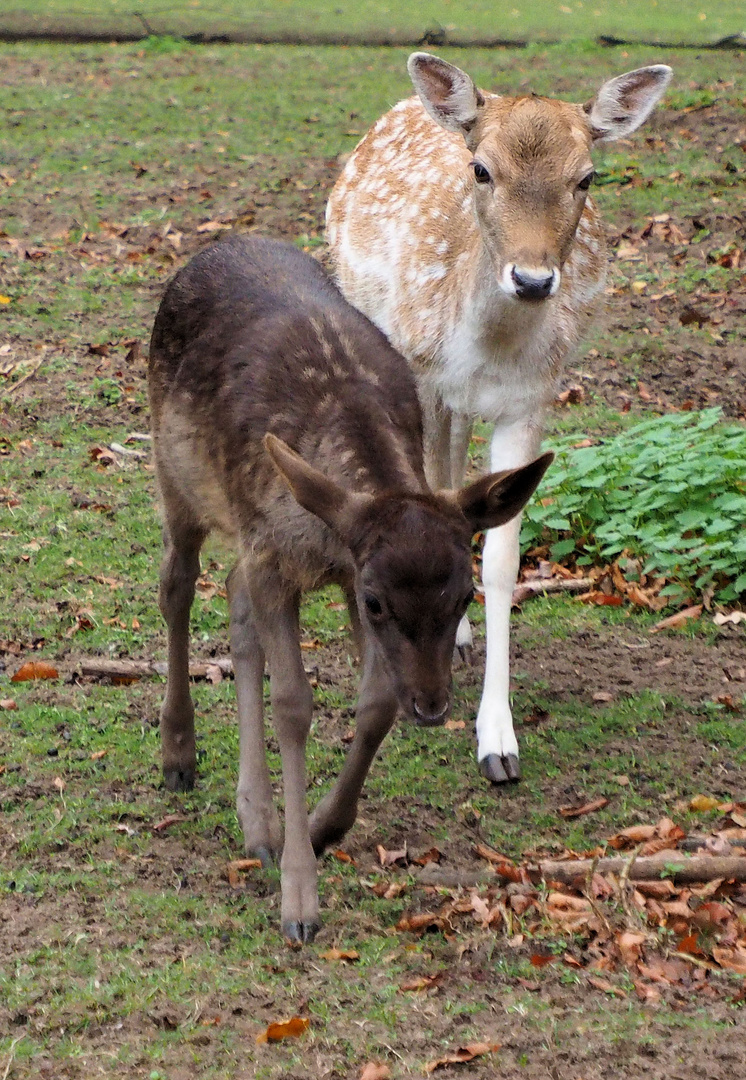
(543, 19)
(127, 923)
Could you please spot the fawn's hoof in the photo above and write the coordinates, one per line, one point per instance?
(299, 932)
(179, 779)
(267, 856)
(501, 770)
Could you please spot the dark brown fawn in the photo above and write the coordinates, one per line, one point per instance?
(283, 417)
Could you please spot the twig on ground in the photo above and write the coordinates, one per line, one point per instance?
(11, 1056)
(29, 375)
(526, 589)
(669, 864)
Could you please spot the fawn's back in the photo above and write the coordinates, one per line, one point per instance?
(251, 338)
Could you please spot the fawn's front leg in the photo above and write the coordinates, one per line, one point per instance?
(292, 706)
(254, 804)
(375, 713)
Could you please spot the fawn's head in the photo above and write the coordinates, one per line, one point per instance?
(413, 565)
(531, 161)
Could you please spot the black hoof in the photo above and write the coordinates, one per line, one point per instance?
(179, 779)
(501, 770)
(300, 933)
(466, 652)
(267, 856)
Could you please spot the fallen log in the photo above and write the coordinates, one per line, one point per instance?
(100, 667)
(124, 671)
(538, 586)
(672, 865)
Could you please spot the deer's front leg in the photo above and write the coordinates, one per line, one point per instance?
(497, 746)
(292, 706)
(256, 812)
(376, 710)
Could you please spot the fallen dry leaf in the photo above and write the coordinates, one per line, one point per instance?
(417, 924)
(98, 754)
(586, 808)
(388, 858)
(35, 669)
(673, 622)
(342, 856)
(237, 865)
(212, 226)
(646, 993)
(539, 961)
(349, 955)
(389, 890)
(703, 803)
(432, 855)
(374, 1071)
(735, 617)
(286, 1029)
(171, 819)
(607, 987)
(454, 725)
(8, 703)
(421, 982)
(728, 701)
(59, 783)
(732, 959)
(574, 395)
(595, 596)
(462, 1055)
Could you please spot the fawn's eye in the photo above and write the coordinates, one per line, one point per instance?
(585, 183)
(373, 604)
(480, 173)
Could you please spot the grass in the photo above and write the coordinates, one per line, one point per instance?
(660, 20)
(127, 942)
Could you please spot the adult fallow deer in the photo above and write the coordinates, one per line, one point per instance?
(461, 225)
(283, 418)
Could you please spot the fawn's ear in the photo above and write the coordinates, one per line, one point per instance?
(624, 103)
(447, 92)
(498, 497)
(311, 489)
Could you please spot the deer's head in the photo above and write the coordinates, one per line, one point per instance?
(531, 161)
(413, 572)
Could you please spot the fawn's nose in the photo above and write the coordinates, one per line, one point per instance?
(534, 284)
(430, 711)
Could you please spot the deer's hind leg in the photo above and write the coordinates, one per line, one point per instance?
(182, 539)
(254, 805)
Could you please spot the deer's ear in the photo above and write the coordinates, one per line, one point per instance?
(311, 489)
(498, 497)
(447, 92)
(624, 103)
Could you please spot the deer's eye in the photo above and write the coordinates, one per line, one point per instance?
(586, 182)
(480, 173)
(373, 604)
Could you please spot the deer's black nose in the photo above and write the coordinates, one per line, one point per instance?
(532, 286)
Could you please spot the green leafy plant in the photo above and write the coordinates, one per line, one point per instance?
(670, 491)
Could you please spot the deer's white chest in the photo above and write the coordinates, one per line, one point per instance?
(497, 362)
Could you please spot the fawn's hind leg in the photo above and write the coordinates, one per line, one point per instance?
(179, 571)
